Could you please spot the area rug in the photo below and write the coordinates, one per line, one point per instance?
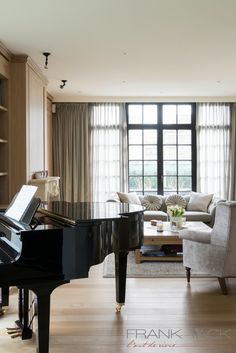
(147, 269)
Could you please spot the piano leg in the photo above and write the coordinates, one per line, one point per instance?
(23, 312)
(4, 298)
(43, 292)
(120, 273)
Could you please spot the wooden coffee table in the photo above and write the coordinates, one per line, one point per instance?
(153, 239)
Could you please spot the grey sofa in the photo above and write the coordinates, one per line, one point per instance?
(206, 217)
(161, 214)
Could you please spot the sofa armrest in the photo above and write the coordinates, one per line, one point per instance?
(196, 235)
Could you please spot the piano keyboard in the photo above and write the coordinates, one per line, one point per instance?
(7, 253)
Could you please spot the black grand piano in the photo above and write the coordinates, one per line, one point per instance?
(67, 240)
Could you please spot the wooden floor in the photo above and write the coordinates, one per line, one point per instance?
(160, 315)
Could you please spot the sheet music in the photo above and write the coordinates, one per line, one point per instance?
(21, 202)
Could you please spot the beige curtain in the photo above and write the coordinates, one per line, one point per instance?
(71, 151)
(108, 149)
(232, 190)
(214, 148)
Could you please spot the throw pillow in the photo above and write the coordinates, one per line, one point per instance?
(152, 202)
(199, 201)
(131, 197)
(175, 199)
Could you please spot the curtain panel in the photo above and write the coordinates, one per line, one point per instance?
(71, 151)
(108, 156)
(214, 148)
(232, 189)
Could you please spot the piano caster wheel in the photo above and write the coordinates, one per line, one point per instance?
(2, 311)
(118, 307)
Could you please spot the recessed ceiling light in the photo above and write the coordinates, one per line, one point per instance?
(123, 81)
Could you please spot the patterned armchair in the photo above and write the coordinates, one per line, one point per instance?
(213, 252)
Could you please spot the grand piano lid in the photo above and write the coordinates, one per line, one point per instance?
(76, 212)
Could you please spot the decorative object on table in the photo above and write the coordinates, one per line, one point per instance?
(175, 214)
(159, 226)
(153, 222)
(41, 174)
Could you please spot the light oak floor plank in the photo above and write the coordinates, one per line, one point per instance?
(160, 315)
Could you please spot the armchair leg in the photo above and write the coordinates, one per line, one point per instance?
(222, 284)
(188, 273)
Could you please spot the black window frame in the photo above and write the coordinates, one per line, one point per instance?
(159, 126)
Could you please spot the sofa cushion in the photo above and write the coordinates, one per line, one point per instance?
(197, 216)
(130, 197)
(199, 201)
(159, 215)
(152, 202)
(176, 199)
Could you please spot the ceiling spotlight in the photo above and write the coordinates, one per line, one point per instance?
(63, 84)
(46, 54)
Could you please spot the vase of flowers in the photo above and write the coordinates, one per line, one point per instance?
(175, 214)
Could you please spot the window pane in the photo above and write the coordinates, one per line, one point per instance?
(169, 114)
(135, 137)
(150, 192)
(170, 168)
(135, 168)
(166, 193)
(135, 183)
(184, 184)
(184, 137)
(135, 152)
(150, 137)
(170, 183)
(150, 152)
(184, 113)
(150, 168)
(169, 137)
(184, 152)
(184, 168)
(150, 183)
(169, 152)
(135, 114)
(150, 114)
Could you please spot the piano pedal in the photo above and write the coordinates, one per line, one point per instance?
(26, 332)
(14, 332)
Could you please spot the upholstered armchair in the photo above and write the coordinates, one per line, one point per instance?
(213, 252)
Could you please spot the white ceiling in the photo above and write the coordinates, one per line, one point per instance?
(127, 48)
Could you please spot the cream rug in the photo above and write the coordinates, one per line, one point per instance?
(147, 269)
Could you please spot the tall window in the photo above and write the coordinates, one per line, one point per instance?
(161, 148)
